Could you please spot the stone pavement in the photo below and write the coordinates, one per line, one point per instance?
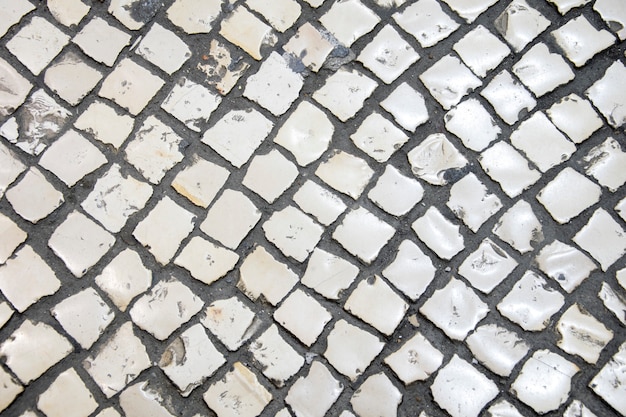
(312, 208)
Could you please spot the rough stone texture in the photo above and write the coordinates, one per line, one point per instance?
(229, 284)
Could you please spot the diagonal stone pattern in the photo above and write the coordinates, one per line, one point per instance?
(312, 207)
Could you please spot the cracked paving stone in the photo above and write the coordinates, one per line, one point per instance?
(544, 382)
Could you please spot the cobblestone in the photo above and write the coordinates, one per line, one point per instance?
(310, 208)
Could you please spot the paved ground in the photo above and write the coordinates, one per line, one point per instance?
(311, 208)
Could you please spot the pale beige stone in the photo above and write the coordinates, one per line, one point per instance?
(84, 316)
(349, 20)
(455, 309)
(163, 230)
(141, 399)
(433, 157)
(10, 168)
(12, 237)
(9, 389)
(124, 278)
(80, 243)
(13, 88)
(307, 133)
(279, 361)
(124, 11)
(497, 348)
(310, 46)
(519, 227)
(582, 334)
(376, 397)
(12, 12)
(472, 202)
(195, 16)
(32, 349)
(544, 382)
(388, 55)
(223, 67)
(231, 321)
(71, 78)
(345, 92)
(270, 175)
(131, 86)
(542, 71)
(154, 150)
(519, 24)
(231, 218)
(416, 360)
(541, 142)
(411, 271)
(303, 316)
(604, 162)
(281, 14)
(190, 359)
(224, 396)
(105, 124)
(346, 173)
(438, 233)
(191, 103)
(293, 232)
(67, 396)
(68, 12)
(34, 187)
(275, 86)
(37, 123)
(461, 389)
(167, 306)
(26, 278)
(37, 43)
(72, 157)
(378, 137)
(206, 261)
(323, 265)
(608, 383)
(118, 362)
(376, 303)
(246, 31)
(363, 234)
(313, 395)
(427, 22)
(262, 275)
(238, 134)
(102, 41)
(603, 238)
(531, 303)
(350, 350)
(115, 198)
(164, 49)
(319, 202)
